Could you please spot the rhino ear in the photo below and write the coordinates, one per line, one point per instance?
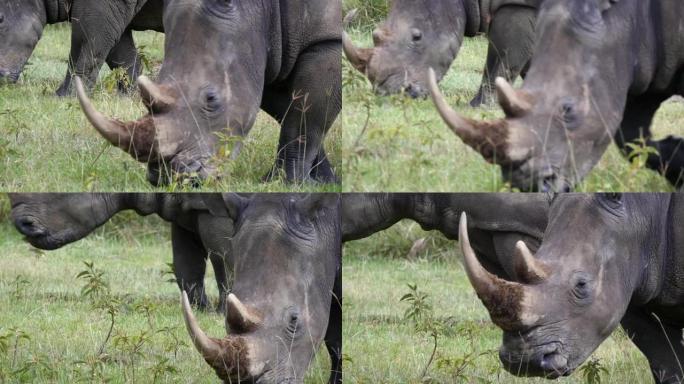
(224, 205)
(311, 204)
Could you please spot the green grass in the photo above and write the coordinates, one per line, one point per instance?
(41, 296)
(406, 147)
(48, 145)
(382, 347)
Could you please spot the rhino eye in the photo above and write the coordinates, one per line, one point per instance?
(581, 290)
(416, 34)
(2, 18)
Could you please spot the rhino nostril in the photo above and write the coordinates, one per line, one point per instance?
(29, 227)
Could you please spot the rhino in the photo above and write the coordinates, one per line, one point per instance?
(282, 249)
(286, 297)
(423, 34)
(494, 232)
(223, 61)
(102, 31)
(53, 220)
(605, 260)
(600, 70)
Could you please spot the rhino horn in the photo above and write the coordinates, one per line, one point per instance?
(358, 57)
(135, 137)
(229, 356)
(514, 103)
(503, 299)
(240, 317)
(153, 96)
(489, 138)
(527, 267)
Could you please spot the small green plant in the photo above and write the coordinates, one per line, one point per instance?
(19, 285)
(172, 343)
(419, 307)
(592, 371)
(96, 285)
(111, 306)
(169, 273)
(130, 347)
(18, 335)
(116, 79)
(147, 307)
(162, 368)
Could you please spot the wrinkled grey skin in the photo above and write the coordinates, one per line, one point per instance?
(423, 34)
(287, 263)
(52, 220)
(225, 60)
(600, 71)
(494, 232)
(101, 32)
(612, 259)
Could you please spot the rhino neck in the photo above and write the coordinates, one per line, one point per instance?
(656, 275)
(171, 207)
(57, 11)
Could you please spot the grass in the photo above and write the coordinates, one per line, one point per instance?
(40, 297)
(48, 145)
(382, 347)
(406, 147)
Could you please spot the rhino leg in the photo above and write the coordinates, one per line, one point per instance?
(222, 282)
(511, 43)
(307, 106)
(333, 335)
(124, 55)
(659, 342)
(636, 123)
(189, 265)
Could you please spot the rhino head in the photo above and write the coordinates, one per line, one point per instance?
(286, 250)
(552, 136)
(416, 35)
(21, 26)
(574, 291)
(210, 85)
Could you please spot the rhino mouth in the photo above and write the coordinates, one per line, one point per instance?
(548, 361)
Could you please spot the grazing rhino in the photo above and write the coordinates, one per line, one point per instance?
(605, 260)
(600, 70)
(52, 220)
(286, 297)
(423, 34)
(223, 61)
(102, 31)
(494, 232)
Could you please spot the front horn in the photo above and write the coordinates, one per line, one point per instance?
(135, 137)
(490, 139)
(229, 357)
(358, 57)
(503, 299)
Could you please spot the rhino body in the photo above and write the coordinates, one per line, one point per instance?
(282, 252)
(600, 71)
(605, 260)
(223, 62)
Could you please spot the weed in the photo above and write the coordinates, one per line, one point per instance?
(592, 371)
